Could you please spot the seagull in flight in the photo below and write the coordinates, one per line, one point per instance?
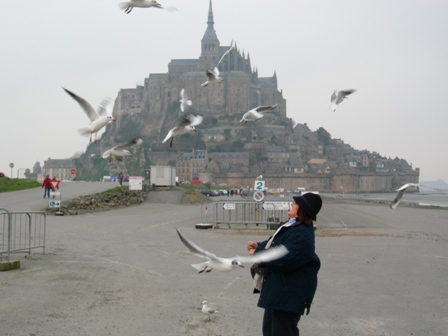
(206, 309)
(184, 102)
(259, 177)
(186, 124)
(229, 51)
(228, 264)
(98, 119)
(212, 77)
(338, 97)
(256, 113)
(129, 5)
(403, 188)
(120, 151)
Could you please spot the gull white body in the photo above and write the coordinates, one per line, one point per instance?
(185, 125)
(129, 5)
(120, 151)
(338, 97)
(98, 119)
(184, 101)
(228, 264)
(206, 309)
(256, 113)
(212, 77)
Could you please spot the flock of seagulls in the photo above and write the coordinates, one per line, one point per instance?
(186, 124)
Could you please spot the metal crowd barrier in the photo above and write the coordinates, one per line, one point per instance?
(21, 231)
(242, 214)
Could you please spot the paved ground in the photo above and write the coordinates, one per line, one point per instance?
(125, 272)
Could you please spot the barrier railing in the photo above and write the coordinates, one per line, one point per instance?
(250, 213)
(21, 231)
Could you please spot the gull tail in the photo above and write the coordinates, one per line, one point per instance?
(199, 267)
(84, 131)
(242, 119)
(204, 84)
(123, 5)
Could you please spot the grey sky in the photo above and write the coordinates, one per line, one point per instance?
(394, 52)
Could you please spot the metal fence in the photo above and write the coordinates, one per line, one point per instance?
(21, 231)
(245, 214)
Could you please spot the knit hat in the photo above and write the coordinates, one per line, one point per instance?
(310, 203)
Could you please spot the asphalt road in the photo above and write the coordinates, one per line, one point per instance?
(125, 272)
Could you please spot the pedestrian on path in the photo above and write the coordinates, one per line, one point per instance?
(47, 185)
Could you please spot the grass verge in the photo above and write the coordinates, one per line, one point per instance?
(14, 184)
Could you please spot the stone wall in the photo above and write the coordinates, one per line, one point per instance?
(346, 182)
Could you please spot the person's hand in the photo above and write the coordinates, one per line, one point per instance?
(251, 246)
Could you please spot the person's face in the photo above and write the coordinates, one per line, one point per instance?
(292, 212)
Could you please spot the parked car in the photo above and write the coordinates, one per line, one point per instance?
(206, 192)
(2, 175)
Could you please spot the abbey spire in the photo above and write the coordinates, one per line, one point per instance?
(210, 43)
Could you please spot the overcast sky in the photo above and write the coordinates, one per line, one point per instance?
(394, 52)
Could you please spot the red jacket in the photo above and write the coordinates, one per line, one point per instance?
(47, 183)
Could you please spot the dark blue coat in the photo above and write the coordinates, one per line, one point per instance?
(290, 282)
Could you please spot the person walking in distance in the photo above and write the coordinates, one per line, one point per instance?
(120, 178)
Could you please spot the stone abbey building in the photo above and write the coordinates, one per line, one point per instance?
(240, 90)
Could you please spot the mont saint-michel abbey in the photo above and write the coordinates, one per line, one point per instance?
(240, 90)
(225, 150)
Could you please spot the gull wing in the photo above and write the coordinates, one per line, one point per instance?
(189, 119)
(195, 249)
(397, 199)
(210, 75)
(102, 109)
(132, 143)
(88, 109)
(230, 50)
(264, 108)
(270, 254)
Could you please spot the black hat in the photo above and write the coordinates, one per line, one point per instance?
(310, 203)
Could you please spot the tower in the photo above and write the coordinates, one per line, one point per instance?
(210, 44)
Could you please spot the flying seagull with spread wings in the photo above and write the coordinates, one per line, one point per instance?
(119, 152)
(97, 119)
(403, 188)
(228, 264)
(184, 101)
(257, 113)
(186, 124)
(129, 5)
(338, 97)
(212, 77)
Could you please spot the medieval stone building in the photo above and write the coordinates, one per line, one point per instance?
(240, 90)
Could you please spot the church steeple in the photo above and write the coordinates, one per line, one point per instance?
(210, 34)
(210, 42)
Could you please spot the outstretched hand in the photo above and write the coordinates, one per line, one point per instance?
(251, 246)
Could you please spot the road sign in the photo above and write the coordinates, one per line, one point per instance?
(55, 204)
(135, 183)
(229, 206)
(73, 171)
(259, 186)
(55, 184)
(275, 206)
(258, 196)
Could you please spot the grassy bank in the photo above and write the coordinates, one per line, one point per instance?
(14, 184)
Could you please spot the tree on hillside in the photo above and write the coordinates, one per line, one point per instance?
(324, 137)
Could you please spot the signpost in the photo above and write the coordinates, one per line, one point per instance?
(135, 183)
(73, 171)
(259, 186)
(258, 196)
(229, 206)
